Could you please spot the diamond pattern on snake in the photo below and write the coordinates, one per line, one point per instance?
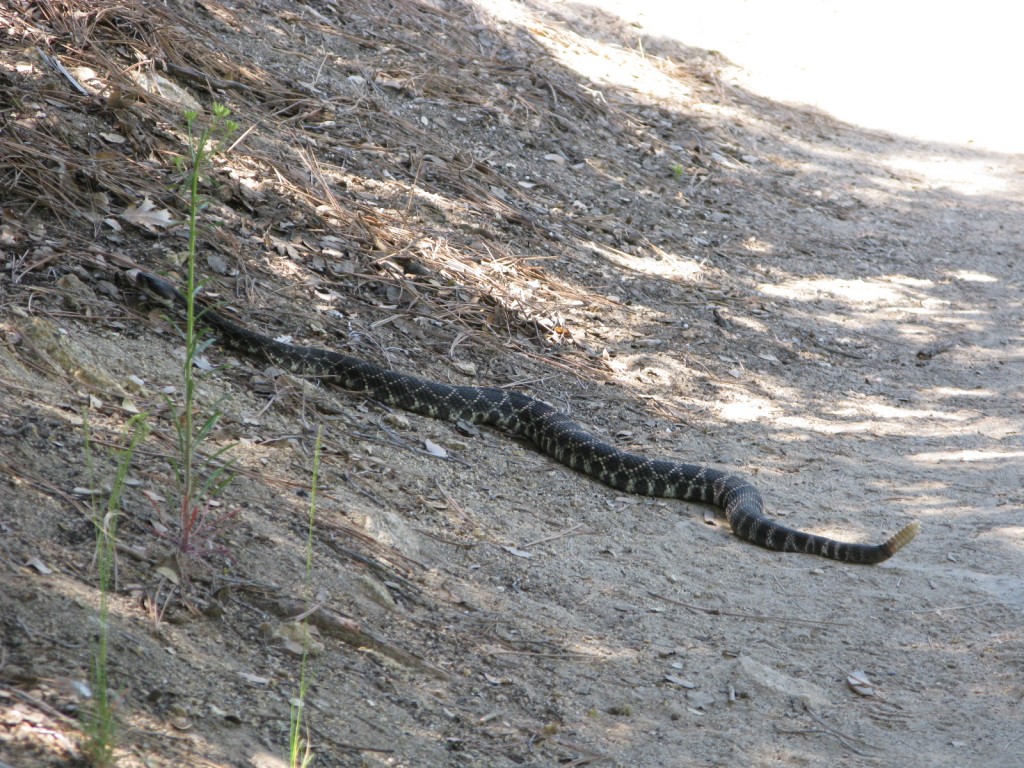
(551, 431)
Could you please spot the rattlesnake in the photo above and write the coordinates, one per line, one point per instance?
(548, 429)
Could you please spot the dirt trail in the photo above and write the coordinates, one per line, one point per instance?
(691, 270)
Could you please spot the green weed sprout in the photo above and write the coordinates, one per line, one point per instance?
(99, 720)
(300, 753)
(201, 148)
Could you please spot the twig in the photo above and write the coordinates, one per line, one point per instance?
(348, 631)
(741, 615)
(362, 491)
(1012, 741)
(204, 79)
(838, 351)
(844, 739)
(552, 537)
(452, 502)
(355, 747)
(41, 705)
(589, 756)
(823, 732)
(55, 64)
(398, 442)
(943, 609)
(543, 655)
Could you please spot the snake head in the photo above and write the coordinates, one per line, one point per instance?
(155, 288)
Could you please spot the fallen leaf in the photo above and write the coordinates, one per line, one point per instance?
(464, 367)
(202, 363)
(700, 699)
(434, 449)
(389, 82)
(254, 679)
(153, 496)
(518, 552)
(680, 681)
(860, 683)
(218, 264)
(399, 420)
(147, 215)
(38, 565)
(168, 568)
(297, 638)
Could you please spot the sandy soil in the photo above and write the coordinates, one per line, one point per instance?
(691, 270)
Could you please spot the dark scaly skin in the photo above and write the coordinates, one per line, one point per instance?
(551, 431)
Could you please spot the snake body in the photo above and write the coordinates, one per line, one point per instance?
(551, 431)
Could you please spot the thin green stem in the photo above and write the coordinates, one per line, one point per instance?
(300, 753)
(314, 483)
(200, 153)
(100, 723)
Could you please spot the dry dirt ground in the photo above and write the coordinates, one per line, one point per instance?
(524, 197)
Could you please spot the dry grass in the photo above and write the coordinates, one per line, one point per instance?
(92, 125)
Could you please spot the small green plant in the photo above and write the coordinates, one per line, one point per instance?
(193, 512)
(300, 752)
(677, 171)
(99, 722)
